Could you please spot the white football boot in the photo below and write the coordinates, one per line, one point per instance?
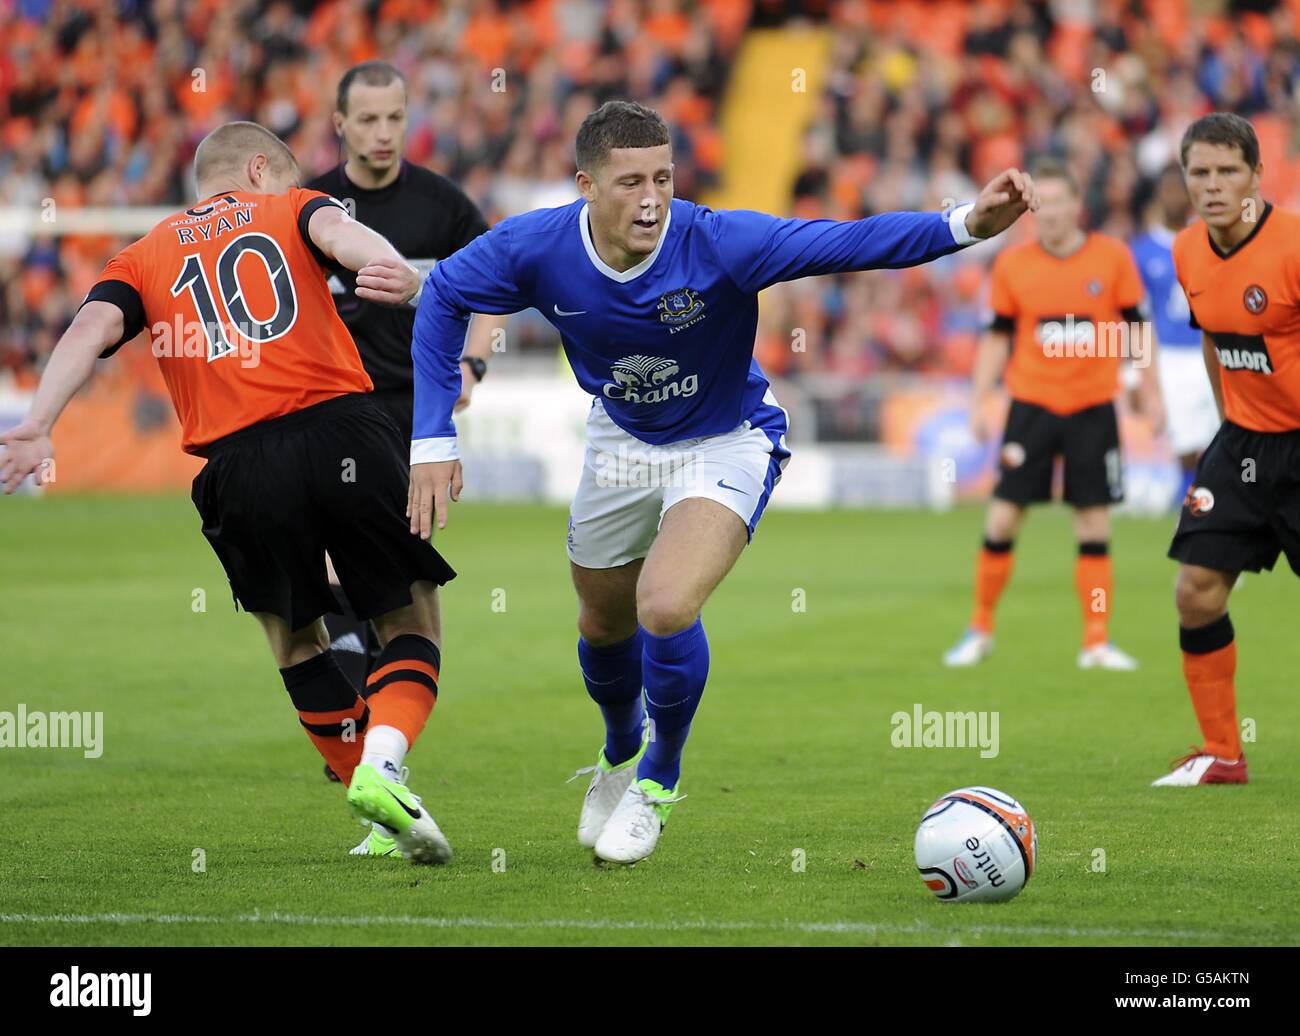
(1199, 768)
(1106, 656)
(633, 829)
(381, 800)
(608, 783)
(974, 647)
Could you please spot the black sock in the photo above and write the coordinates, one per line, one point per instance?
(351, 640)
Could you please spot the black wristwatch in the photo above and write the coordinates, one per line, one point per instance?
(477, 366)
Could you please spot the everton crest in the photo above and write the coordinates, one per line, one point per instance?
(679, 307)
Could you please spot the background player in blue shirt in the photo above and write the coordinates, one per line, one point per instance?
(656, 301)
(1193, 417)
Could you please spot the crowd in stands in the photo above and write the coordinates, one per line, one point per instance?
(102, 104)
(925, 102)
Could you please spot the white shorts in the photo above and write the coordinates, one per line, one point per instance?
(1192, 417)
(627, 485)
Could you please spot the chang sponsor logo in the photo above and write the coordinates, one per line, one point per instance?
(648, 379)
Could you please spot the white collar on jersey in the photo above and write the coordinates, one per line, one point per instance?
(634, 272)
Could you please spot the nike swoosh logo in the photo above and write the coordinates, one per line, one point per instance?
(567, 312)
(1193, 294)
(414, 814)
(734, 489)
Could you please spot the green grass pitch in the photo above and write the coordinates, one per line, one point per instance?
(790, 756)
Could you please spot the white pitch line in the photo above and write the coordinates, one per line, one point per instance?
(609, 924)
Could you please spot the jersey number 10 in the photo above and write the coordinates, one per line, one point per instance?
(195, 278)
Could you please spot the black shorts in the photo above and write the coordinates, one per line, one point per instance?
(276, 496)
(1089, 442)
(399, 404)
(1244, 506)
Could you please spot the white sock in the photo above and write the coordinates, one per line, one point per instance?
(384, 749)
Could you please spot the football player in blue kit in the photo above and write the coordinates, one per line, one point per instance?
(656, 302)
(1193, 415)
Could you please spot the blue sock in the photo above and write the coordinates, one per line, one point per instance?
(675, 669)
(613, 678)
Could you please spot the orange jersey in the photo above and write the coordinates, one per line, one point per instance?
(234, 297)
(1053, 306)
(1248, 301)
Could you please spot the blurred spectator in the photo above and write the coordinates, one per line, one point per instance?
(103, 104)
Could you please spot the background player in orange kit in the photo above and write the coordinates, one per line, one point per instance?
(1065, 307)
(1241, 272)
(269, 388)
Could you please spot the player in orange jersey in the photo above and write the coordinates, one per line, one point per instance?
(269, 388)
(1241, 272)
(1065, 308)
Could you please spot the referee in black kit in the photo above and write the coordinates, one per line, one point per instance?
(427, 218)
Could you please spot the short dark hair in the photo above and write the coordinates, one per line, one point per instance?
(229, 146)
(1049, 168)
(1225, 129)
(618, 124)
(372, 73)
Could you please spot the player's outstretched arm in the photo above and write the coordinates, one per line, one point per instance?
(383, 276)
(1005, 198)
(25, 447)
(758, 250)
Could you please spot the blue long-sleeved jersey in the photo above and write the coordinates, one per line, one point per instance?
(1154, 253)
(667, 345)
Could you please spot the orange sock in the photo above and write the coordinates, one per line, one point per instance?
(330, 710)
(1092, 582)
(992, 571)
(1210, 669)
(402, 690)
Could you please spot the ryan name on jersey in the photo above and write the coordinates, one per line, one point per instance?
(211, 221)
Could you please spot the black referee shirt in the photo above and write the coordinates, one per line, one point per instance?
(427, 218)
